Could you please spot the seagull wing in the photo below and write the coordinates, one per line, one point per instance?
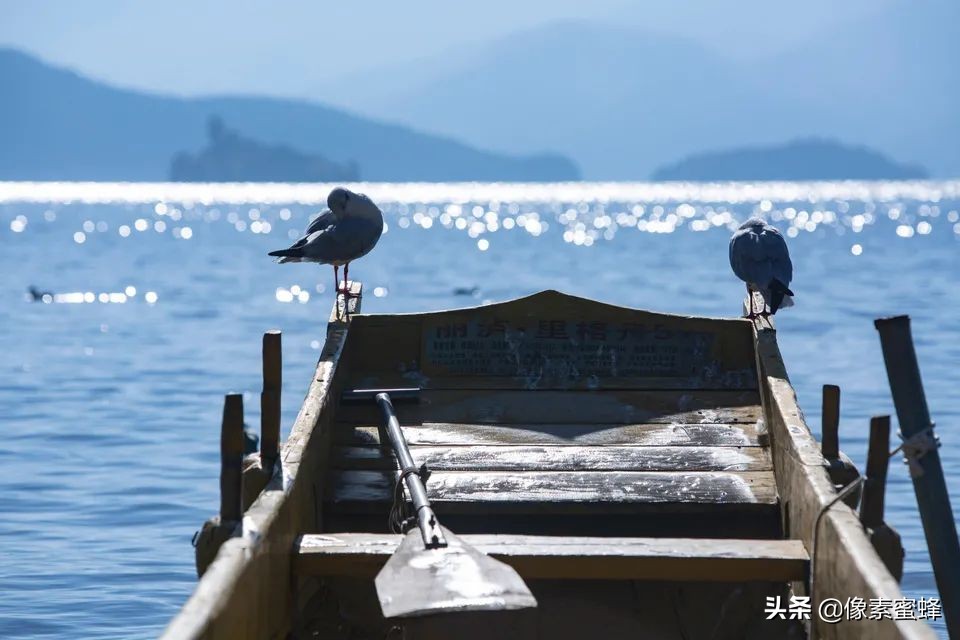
(775, 247)
(321, 222)
(342, 241)
(748, 259)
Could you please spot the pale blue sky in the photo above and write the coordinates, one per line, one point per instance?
(293, 47)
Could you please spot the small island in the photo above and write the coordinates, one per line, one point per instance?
(230, 157)
(805, 159)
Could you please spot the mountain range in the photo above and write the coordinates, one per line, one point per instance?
(622, 100)
(58, 125)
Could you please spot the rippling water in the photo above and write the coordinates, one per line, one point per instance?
(153, 299)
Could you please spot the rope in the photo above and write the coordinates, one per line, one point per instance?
(400, 519)
(917, 446)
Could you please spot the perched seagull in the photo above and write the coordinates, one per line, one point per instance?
(759, 257)
(348, 230)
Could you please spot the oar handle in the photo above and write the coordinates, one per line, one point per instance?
(426, 518)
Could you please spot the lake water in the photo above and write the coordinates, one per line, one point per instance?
(110, 394)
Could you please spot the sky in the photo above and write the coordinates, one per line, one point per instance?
(294, 48)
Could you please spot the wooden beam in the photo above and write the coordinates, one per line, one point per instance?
(231, 459)
(270, 399)
(560, 458)
(875, 485)
(564, 491)
(609, 407)
(830, 422)
(646, 434)
(549, 557)
(846, 565)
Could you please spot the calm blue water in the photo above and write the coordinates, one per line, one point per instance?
(110, 409)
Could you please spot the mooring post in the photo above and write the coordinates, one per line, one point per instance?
(874, 488)
(231, 459)
(830, 422)
(885, 540)
(270, 400)
(920, 451)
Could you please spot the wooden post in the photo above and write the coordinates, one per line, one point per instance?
(270, 400)
(231, 459)
(874, 488)
(928, 481)
(885, 540)
(830, 422)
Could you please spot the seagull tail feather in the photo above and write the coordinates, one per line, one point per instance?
(287, 255)
(780, 296)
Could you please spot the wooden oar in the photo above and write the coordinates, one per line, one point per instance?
(433, 571)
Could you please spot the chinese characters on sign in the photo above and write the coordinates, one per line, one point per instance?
(566, 350)
(832, 610)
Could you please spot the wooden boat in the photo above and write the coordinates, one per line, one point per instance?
(648, 475)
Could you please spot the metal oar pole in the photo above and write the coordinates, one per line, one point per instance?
(920, 451)
(433, 571)
(410, 473)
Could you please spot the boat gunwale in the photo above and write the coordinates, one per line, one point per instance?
(262, 542)
(547, 293)
(805, 489)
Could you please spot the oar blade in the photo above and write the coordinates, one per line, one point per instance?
(417, 581)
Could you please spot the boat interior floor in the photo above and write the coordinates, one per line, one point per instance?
(678, 463)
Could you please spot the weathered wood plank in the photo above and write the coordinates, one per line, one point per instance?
(578, 558)
(545, 491)
(651, 434)
(560, 458)
(619, 407)
(845, 565)
(744, 381)
(553, 340)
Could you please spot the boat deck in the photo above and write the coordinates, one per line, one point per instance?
(584, 452)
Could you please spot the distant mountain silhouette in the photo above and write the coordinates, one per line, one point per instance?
(808, 159)
(230, 157)
(621, 100)
(57, 125)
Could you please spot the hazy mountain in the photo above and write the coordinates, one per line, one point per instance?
(292, 48)
(891, 81)
(618, 100)
(807, 159)
(622, 101)
(57, 125)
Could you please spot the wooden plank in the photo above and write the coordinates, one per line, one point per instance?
(618, 407)
(270, 398)
(844, 565)
(560, 458)
(746, 380)
(554, 340)
(577, 558)
(231, 459)
(544, 491)
(650, 434)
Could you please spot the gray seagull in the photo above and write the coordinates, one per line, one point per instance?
(348, 230)
(759, 257)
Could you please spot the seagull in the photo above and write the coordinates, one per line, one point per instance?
(759, 257)
(349, 229)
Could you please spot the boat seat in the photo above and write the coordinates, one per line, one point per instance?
(566, 557)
